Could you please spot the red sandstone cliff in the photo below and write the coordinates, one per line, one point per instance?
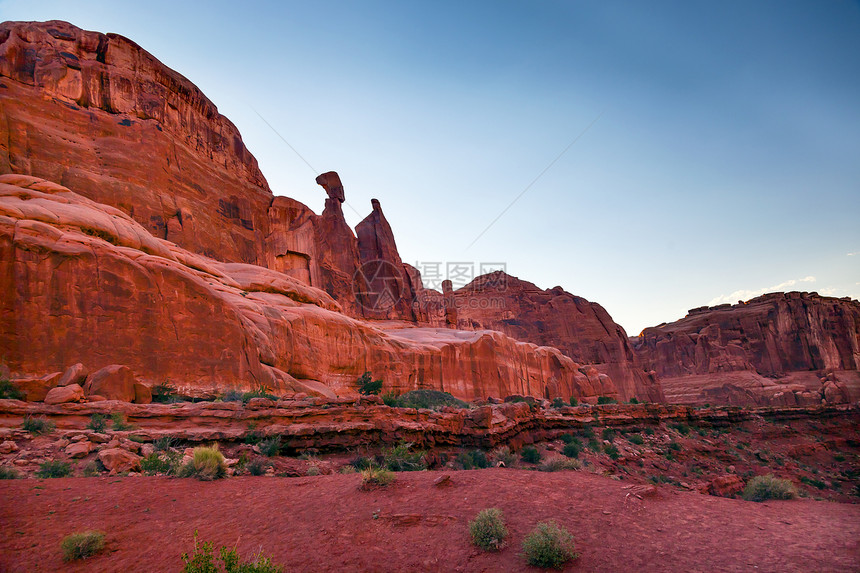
(780, 348)
(582, 330)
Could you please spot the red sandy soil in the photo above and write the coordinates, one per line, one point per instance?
(325, 523)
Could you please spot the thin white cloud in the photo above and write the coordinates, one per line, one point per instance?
(748, 294)
(829, 291)
(854, 253)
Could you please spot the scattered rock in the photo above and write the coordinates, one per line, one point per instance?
(76, 374)
(114, 382)
(65, 394)
(726, 485)
(79, 449)
(8, 447)
(118, 460)
(443, 481)
(142, 394)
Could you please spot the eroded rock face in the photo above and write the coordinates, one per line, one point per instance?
(83, 282)
(582, 330)
(781, 348)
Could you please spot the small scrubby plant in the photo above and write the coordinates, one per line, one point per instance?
(8, 473)
(164, 443)
(636, 439)
(368, 386)
(257, 467)
(203, 561)
(548, 545)
(82, 545)
(271, 447)
(372, 476)
(206, 464)
(558, 463)
(530, 454)
(97, 423)
(9, 391)
(558, 402)
(606, 400)
(161, 463)
(611, 451)
(119, 423)
(762, 488)
(400, 458)
(488, 529)
(504, 455)
(573, 401)
(571, 450)
(473, 459)
(37, 425)
(423, 399)
(54, 469)
(163, 392)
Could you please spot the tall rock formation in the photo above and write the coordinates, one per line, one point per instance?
(582, 330)
(781, 348)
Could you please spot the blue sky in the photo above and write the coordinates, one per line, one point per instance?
(724, 162)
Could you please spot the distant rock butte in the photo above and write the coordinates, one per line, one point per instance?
(136, 230)
(778, 349)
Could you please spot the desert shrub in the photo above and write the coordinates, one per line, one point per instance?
(594, 445)
(92, 469)
(400, 458)
(761, 488)
(558, 463)
(488, 529)
(473, 459)
(271, 447)
(574, 401)
(367, 386)
(572, 450)
(567, 438)
(587, 432)
(649, 431)
(206, 464)
(675, 446)
(530, 454)
(376, 476)
(548, 545)
(261, 392)
(97, 423)
(558, 402)
(681, 428)
(37, 425)
(232, 396)
(608, 434)
(813, 482)
(658, 479)
(606, 400)
(611, 451)
(257, 467)
(54, 469)
(8, 473)
(505, 455)
(636, 439)
(162, 392)
(82, 545)
(9, 391)
(119, 423)
(164, 443)
(203, 561)
(390, 399)
(313, 471)
(361, 462)
(167, 463)
(426, 399)
(634, 400)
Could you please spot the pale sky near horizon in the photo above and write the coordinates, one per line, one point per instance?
(722, 159)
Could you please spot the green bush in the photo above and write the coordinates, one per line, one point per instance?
(649, 431)
(587, 432)
(119, 423)
(82, 545)
(232, 396)
(634, 400)
(675, 446)
(206, 464)
(271, 447)
(54, 469)
(813, 482)
(97, 423)
(681, 428)
(203, 561)
(400, 458)
(260, 392)
(567, 438)
(367, 386)
(574, 401)
(361, 462)
(606, 400)
(37, 425)
(391, 399)
(164, 443)
(572, 450)
(548, 545)
(505, 455)
(167, 463)
(608, 434)
(163, 393)
(636, 439)
(93, 468)
(594, 445)
(558, 463)
(558, 402)
(10, 391)
(761, 488)
(8, 473)
(611, 451)
(257, 467)
(424, 399)
(473, 459)
(530, 454)
(488, 529)
(375, 476)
